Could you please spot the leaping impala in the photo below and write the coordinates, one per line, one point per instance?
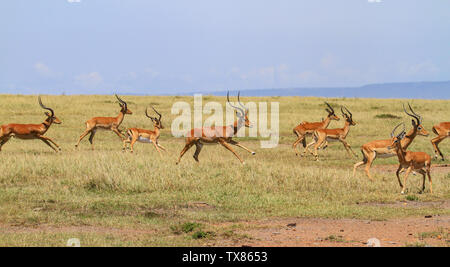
(307, 128)
(106, 123)
(410, 161)
(380, 148)
(219, 134)
(322, 136)
(145, 136)
(443, 131)
(30, 131)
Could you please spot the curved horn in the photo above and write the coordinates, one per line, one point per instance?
(411, 115)
(159, 114)
(238, 108)
(331, 108)
(146, 114)
(44, 107)
(239, 101)
(396, 127)
(351, 115)
(343, 112)
(420, 117)
(121, 101)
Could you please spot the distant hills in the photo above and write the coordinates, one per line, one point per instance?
(421, 90)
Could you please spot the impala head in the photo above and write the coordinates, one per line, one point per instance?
(156, 121)
(397, 138)
(348, 116)
(123, 105)
(416, 122)
(50, 116)
(241, 112)
(331, 114)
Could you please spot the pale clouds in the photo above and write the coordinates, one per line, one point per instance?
(152, 73)
(425, 67)
(43, 69)
(89, 80)
(74, 1)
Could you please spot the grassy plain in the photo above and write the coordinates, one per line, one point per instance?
(110, 198)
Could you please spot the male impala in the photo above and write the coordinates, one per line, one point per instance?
(410, 161)
(219, 134)
(30, 131)
(105, 123)
(145, 136)
(443, 131)
(380, 148)
(322, 136)
(307, 128)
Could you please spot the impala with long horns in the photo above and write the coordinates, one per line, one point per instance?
(31, 131)
(381, 148)
(106, 123)
(443, 131)
(219, 134)
(145, 136)
(419, 162)
(323, 136)
(307, 128)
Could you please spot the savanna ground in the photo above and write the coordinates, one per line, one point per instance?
(110, 198)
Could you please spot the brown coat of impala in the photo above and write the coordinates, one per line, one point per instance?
(307, 128)
(382, 149)
(218, 134)
(30, 131)
(105, 123)
(323, 136)
(419, 162)
(443, 131)
(145, 136)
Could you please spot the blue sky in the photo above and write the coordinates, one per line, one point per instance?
(142, 46)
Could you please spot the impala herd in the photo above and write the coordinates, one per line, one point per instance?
(416, 162)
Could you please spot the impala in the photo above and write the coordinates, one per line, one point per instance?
(30, 131)
(307, 128)
(443, 131)
(410, 161)
(219, 134)
(323, 136)
(380, 148)
(105, 123)
(145, 136)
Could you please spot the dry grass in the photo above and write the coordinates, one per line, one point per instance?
(135, 199)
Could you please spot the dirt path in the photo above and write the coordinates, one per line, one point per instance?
(346, 232)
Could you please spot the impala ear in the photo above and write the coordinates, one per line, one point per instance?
(48, 114)
(414, 123)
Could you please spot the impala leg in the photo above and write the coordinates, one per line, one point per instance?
(118, 133)
(227, 146)
(294, 146)
(429, 180)
(47, 143)
(241, 146)
(186, 148)
(423, 179)
(307, 148)
(198, 149)
(91, 138)
(50, 140)
(397, 173)
(408, 171)
(3, 141)
(160, 146)
(134, 138)
(435, 143)
(157, 148)
(83, 135)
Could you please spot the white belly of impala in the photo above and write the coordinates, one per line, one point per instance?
(144, 140)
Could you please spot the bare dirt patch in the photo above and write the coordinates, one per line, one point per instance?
(432, 231)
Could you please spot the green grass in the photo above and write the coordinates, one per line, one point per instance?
(138, 199)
